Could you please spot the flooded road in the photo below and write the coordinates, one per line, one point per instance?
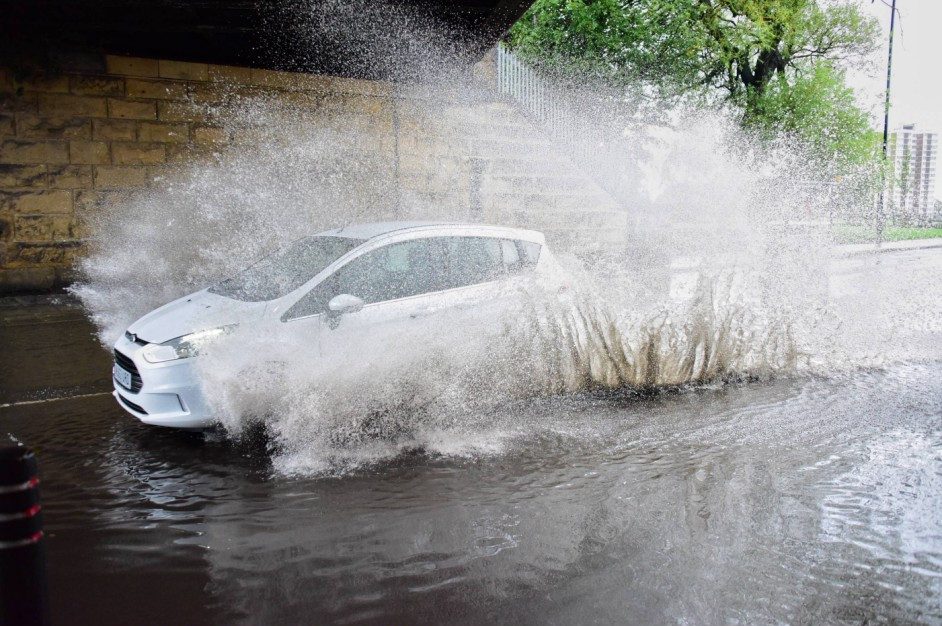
(804, 499)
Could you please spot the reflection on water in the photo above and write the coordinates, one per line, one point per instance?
(811, 499)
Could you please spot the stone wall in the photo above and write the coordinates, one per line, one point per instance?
(95, 128)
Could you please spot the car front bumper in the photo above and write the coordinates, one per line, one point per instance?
(169, 394)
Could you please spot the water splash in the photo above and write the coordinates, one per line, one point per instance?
(457, 388)
(706, 281)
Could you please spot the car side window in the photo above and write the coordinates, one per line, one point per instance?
(511, 255)
(395, 271)
(473, 260)
(529, 253)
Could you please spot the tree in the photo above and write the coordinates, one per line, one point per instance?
(776, 60)
(610, 39)
(817, 108)
(734, 47)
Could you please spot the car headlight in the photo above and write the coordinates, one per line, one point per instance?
(182, 347)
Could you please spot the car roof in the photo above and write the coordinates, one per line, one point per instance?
(372, 230)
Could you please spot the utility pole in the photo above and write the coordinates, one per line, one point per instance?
(881, 218)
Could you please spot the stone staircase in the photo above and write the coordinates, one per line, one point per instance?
(493, 163)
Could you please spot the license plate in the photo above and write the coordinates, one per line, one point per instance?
(122, 376)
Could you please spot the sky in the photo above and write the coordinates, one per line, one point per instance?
(916, 94)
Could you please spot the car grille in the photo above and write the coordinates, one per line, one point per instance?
(131, 405)
(126, 363)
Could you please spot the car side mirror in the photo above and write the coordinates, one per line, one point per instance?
(344, 303)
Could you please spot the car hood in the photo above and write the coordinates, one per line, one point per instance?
(198, 311)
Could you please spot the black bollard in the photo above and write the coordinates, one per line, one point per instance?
(23, 598)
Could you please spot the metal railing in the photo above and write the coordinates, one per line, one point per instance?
(562, 113)
(539, 99)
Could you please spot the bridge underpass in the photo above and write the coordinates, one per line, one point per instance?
(296, 35)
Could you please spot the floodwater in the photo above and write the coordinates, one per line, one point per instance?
(810, 498)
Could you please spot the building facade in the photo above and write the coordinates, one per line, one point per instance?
(912, 185)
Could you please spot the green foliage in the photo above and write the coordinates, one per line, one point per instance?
(736, 47)
(774, 59)
(855, 233)
(611, 39)
(817, 108)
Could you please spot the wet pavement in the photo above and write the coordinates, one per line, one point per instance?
(49, 351)
(805, 499)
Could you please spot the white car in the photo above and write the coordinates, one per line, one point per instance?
(339, 283)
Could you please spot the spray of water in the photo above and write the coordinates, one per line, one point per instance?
(703, 279)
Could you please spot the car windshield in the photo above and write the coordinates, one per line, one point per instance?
(286, 270)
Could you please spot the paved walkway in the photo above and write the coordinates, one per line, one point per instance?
(890, 246)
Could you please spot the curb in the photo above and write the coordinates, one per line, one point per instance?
(890, 246)
(49, 299)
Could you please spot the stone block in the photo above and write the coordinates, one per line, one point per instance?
(6, 80)
(114, 130)
(81, 227)
(43, 227)
(265, 78)
(184, 111)
(230, 74)
(19, 280)
(361, 104)
(120, 177)
(137, 153)
(31, 126)
(163, 132)
(210, 135)
(132, 109)
(88, 201)
(88, 152)
(6, 233)
(45, 83)
(12, 176)
(177, 152)
(69, 105)
(46, 201)
(416, 162)
(70, 176)
(161, 172)
(156, 89)
(317, 83)
(131, 66)
(70, 60)
(97, 85)
(209, 96)
(22, 151)
(290, 81)
(360, 86)
(413, 181)
(246, 136)
(301, 102)
(213, 94)
(183, 70)
(7, 126)
(14, 102)
(44, 254)
(72, 251)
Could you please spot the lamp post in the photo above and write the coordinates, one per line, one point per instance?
(881, 218)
